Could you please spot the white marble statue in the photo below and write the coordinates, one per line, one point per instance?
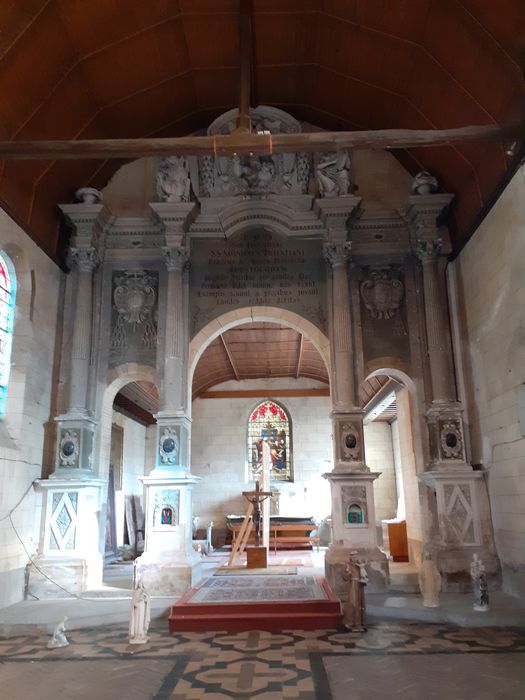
(429, 582)
(479, 582)
(59, 638)
(424, 183)
(140, 616)
(333, 174)
(173, 180)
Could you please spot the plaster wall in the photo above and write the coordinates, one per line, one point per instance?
(491, 275)
(133, 466)
(380, 458)
(404, 453)
(26, 439)
(219, 451)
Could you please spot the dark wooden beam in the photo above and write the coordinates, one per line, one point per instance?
(246, 52)
(259, 393)
(230, 358)
(243, 143)
(299, 355)
(129, 408)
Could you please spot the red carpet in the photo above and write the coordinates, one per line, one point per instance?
(234, 611)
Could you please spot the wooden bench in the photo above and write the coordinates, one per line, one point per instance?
(290, 533)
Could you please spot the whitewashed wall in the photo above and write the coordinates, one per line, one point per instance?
(380, 458)
(491, 272)
(133, 466)
(24, 445)
(218, 451)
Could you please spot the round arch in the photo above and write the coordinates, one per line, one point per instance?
(117, 379)
(251, 314)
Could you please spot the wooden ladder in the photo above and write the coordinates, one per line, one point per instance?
(242, 539)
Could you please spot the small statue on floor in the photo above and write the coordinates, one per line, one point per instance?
(429, 582)
(59, 638)
(479, 581)
(354, 610)
(140, 616)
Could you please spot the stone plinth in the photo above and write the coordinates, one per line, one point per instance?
(354, 530)
(68, 550)
(463, 514)
(169, 565)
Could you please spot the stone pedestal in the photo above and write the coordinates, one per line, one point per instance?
(169, 566)
(68, 551)
(463, 515)
(354, 529)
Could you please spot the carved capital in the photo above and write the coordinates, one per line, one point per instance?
(337, 253)
(85, 259)
(428, 250)
(176, 259)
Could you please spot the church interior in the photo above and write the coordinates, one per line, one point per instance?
(262, 349)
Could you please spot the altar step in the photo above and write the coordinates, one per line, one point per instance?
(404, 582)
(268, 616)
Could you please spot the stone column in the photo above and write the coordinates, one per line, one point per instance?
(169, 565)
(351, 481)
(461, 499)
(72, 497)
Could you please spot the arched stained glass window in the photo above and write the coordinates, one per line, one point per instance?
(7, 305)
(269, 422)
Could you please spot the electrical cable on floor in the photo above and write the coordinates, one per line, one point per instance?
(31, 560)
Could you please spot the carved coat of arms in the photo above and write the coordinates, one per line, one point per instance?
(134, 298)
(382, 294)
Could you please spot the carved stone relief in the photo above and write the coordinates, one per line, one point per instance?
(382, 293)
(287, 173)
(169, 445)
(134, 317)
(62, 531)
(451, 439)
(173, 180)
(69, 448)
(332, 173)
(350, 442)
(459, 525)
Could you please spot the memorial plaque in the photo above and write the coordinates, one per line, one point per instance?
(257, 269)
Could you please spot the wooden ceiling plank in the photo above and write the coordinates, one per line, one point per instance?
(230, 358)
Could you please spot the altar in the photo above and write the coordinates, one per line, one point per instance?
(285, 532)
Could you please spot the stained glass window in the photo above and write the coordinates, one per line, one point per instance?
(7, 303)
(269, 422)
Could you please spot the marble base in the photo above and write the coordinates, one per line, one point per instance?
(71, 574)
(164, 575)
(335, 563)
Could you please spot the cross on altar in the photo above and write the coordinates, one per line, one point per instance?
(256, 498)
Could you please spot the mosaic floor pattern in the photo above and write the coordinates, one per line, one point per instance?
(405, 661)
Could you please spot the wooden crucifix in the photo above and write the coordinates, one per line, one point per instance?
(256, 498)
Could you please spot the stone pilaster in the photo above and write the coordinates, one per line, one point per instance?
(461, 497)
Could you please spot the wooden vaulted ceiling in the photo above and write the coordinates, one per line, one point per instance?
(129, 68)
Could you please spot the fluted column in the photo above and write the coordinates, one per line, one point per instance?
(176, 330)
(437, 322)
(85, 260)
(337, 255)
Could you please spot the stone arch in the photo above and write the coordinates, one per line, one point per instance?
(417, 524)
(118, 377)
(271, 215)
(251, 314)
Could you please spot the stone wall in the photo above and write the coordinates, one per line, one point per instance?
(133, 466)
(219, 429)
(491, 278)
(26, 442)
(380, 458)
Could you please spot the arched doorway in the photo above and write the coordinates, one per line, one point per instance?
(265, 361)
(392, 444)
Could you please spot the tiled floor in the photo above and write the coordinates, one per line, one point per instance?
(388, 661)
